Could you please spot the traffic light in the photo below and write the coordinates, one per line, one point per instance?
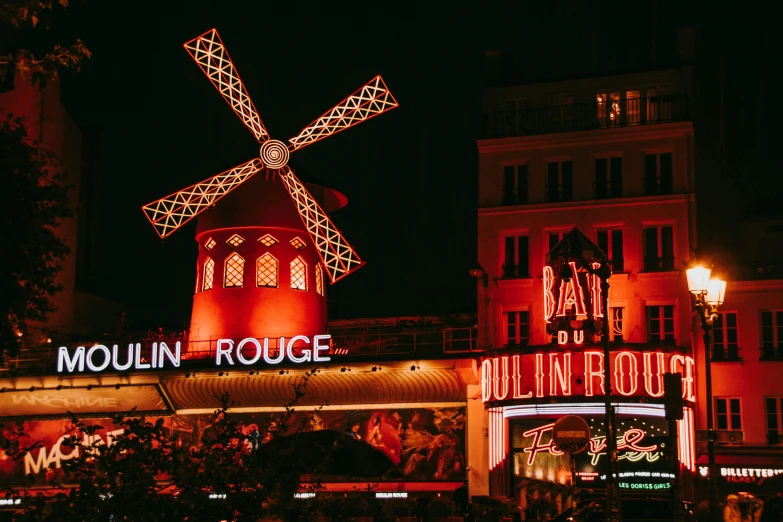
(672, 395)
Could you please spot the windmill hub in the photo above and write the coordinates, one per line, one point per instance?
(274, 154)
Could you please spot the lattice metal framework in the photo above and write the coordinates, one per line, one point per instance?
(297, 243)
(209, 244)
(209, 274)
(371, 100)
(235, 240)
(170, 213)
(235, 267)
(268, 240)
(298, 274)
(319, 280)
(266, 271)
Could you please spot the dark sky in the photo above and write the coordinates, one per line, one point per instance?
(410, 175)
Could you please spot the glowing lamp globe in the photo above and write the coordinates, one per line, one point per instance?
(698, 278)
(716, 291)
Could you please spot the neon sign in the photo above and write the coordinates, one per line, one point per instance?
(560, 374)
(630, 442)
(298, 349)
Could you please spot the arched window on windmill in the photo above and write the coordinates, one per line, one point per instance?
(235, 267)
(299, 274)
(319, 279)
(266, 271)
(209, 274)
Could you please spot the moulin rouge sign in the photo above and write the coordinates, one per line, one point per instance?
(560, 374)
(298, 349)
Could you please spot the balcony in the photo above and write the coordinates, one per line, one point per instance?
(726, 354)
(515, 271)
(659, 264)
(586, 116)
(771, 353)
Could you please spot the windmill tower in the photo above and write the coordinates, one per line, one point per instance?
(263, 262)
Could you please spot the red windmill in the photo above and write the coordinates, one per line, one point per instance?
(258, 224)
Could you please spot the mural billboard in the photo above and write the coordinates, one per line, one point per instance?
(416, 444)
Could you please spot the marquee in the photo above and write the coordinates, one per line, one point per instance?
(635, 373)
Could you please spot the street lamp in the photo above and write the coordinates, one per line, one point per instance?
(577, 247)
(707, 295)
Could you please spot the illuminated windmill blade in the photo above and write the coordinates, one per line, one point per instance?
(173, 211)
(371, 100)
(338, 257)
(212, 57)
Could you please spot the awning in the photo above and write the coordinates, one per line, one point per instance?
(327, 387)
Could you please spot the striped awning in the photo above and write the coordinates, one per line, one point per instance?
(270, 390)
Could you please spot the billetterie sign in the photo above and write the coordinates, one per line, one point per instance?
(247, 352)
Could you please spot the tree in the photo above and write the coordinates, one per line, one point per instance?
(146, 475)
(38, 68)
(31, 253)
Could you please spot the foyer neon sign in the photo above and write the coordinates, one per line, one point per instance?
(563, 374)
(629, 443)
(247, 352)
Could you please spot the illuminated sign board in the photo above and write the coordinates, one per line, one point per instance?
(642, 444)
(739, 475)
(558, 374)
(298, 349)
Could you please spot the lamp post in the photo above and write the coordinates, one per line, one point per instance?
(706, 296)
(575, 246)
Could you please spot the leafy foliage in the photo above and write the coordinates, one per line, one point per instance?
(147, 475)
(31, 253)
(38, 68)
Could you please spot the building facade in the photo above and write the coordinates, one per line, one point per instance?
(613, 157)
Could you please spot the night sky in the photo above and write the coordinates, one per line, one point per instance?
(410, 175)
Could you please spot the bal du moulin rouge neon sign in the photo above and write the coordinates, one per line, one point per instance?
(553, 373)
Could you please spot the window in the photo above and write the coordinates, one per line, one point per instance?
(771, 334)
(773, 407)
(658, 249)
(298, 274)
(560, 111)
(516, 257)
(319, 280)
(724, 330)
(632, 107)
(517, 331)
(658, 174)
(554, 238)
(266, 271)
(660, 324)
(611, 242)
(297, 243)
(515, 185)
(209, 244)
(235, 266)
(608, 178)
(559, 181)
(728, 414)
(267, 240)
(617, 324)
(235, 240)
(209, 273)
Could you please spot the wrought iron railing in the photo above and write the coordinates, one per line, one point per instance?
(658, 264)
(515, 271)
(726, 354)
(771, 353)
(586, 116)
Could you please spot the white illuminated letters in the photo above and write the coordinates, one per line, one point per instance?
(246, 352)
